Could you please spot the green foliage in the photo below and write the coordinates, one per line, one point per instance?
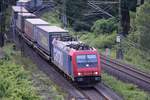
(104, 26)
(134, 34)
(99, 41)
(42, 83)
(14, 84)
(75, 9)
(134, 56)
(52, 17)
(127, 91)
(136, 44)
(143, 25)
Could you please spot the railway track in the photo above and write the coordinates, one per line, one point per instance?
(55, 76)
(96, 93)
(106, 92)
(126, 72)
(92, 94)
(73, 92)
(99, 92)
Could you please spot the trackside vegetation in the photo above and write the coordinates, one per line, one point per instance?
(126, 90)
(22, 80)
(14, 82)
(53, 16)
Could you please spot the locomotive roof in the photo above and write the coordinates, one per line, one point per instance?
(71, 45)
(26, 14)
(37, 21)
(19, 9)
(50, 29)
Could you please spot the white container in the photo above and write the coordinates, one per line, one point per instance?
(46, 34)
(30, 26)
(21, 20)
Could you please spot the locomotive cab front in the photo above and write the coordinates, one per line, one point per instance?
(87, 67)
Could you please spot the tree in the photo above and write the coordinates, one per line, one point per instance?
(75, 10)
(3, 7)
(105, 26)
(143, 25)
(2, 21)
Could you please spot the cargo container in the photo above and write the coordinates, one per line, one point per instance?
(30, 4)
(30, 26)
(46, 34)
(23, 3)
(18, 9)
(21, 20)
(36, 3)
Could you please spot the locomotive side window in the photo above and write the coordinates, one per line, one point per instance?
(84, 61)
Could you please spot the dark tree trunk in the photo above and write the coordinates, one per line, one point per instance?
(125, 18)
(125, 21)
(1, 39)
(2, 29)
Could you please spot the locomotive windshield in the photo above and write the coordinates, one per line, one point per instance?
(89, 60)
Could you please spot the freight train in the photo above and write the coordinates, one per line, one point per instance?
(80, 62)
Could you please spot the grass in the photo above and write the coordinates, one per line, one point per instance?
(45, 88)
(136, 57)
(126, 90)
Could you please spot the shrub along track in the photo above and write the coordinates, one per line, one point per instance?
(126, 72)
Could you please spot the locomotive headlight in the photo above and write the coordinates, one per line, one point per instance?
(96, 73)
(79, 74)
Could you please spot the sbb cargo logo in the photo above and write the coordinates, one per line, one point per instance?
(58, 56)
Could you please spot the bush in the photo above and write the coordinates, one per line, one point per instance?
(127, 91)
(14, 84)
(52, 18)
(104, 26)
(99, 41)
(143, 22)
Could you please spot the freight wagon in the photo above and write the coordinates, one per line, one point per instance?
(30, 27)
(30, 4)
(80, 62)
(23, 3)
(21, 20)
(36, 3)
(16, 10)
(45, 35)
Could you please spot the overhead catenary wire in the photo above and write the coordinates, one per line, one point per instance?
(133, 44)
(137, 46)
(94, 6)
